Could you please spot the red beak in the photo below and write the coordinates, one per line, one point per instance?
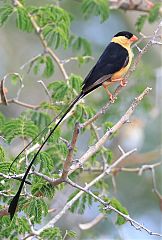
(134, 38)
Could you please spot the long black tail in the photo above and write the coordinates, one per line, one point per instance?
(14, 202)
(53, 120)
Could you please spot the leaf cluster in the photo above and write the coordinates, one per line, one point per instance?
(151, 17)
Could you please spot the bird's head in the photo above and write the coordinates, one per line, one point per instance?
(124, 38)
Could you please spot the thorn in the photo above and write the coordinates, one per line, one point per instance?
(121, 150)
(138, 48)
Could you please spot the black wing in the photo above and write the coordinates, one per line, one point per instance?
(111, 61)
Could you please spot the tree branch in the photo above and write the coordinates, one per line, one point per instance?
(47, 49)
(52, 222)
(107, 206)
(93, 149)
(69, 159)
(26, 105)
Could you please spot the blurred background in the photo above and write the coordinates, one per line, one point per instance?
(144, 131)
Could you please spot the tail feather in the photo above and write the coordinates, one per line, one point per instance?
(14, 202)
(32, 142)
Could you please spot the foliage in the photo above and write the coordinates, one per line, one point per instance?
(80, 205)
(5, 13)
(45, 62)
(96, 7)
(117, 205)
(20, 127)
(52, 233)
(37, 208)
(151, 17)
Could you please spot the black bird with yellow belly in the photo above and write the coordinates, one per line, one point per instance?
(110, 68)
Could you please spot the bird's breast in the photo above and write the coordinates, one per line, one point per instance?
(124, 70)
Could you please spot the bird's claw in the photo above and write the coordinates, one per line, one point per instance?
(112, 98)
(123, 83)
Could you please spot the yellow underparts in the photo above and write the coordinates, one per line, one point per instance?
(124, 42)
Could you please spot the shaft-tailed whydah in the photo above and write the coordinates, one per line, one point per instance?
(110, 68)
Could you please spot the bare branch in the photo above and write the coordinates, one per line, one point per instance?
(69, 159)
(76, 59)
(46, 89)
(26, 105)
(3, 93)
(52, 222)
(94, 222)
(93, 149)
(135, 224)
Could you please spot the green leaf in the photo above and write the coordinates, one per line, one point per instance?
(23, 21)
(55, 23)
(102, 186)
(59, 90)
(116, 204)
(72, 195)
(15, 78)
(2, 154)
(154, 12)
(120, 220)
(45, 63)
(89, 111)
(109, 155)
(49, 106)
(57, 157)
(107, 125)
(51, 233)
(45, 161)
(80, 204)
(23, 225)
(19, 128)
(49, 67)
(96, 7)
(7, 228)
(78, 114)
(62, 148)
(42, 189)
(4, 166)
(40, 119)
(75, 82)
(2, 120)
(140, 22)
(5, 13)
(36, 209)
(81, 44)
(55, 136)
(71, 234)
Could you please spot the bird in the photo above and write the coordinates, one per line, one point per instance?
(111, 67)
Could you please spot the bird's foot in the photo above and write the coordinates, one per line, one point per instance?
(112, 98)
(123, 83)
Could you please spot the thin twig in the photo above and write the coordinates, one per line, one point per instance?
(46, 89)
(39, 33)
(26, 105)
(52, 222)
(93, 149)
(107, 206)
(69, 159)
